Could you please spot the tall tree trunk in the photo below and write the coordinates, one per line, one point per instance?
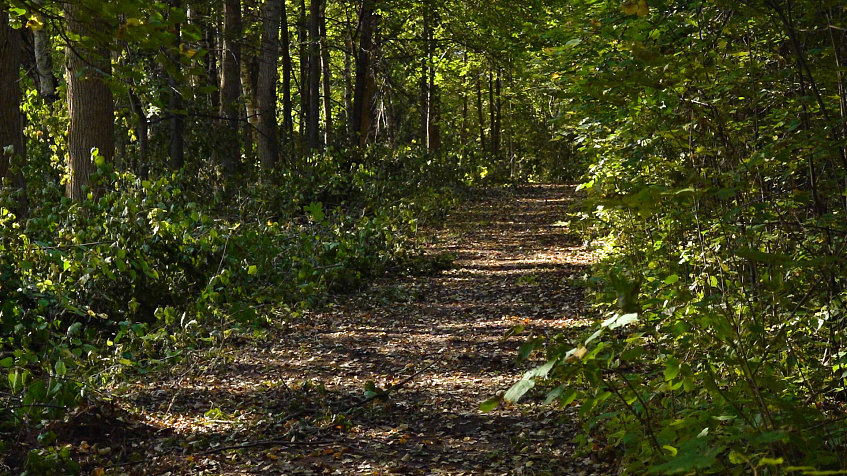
(498, 115)
(11, 126)
(480, 112)
(249, 117)
(326, 71)
(44, 63)
(364, 88)
(303, 39)
(314, 111)
(91, 108)
(287, 118)
(176, 147)
(268, 140)
(142, 132)
(425, 63)
(230, 153)
(348, 79)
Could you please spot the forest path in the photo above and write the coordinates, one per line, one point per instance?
(290, 398)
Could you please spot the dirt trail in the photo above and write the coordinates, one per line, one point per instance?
(290, 398)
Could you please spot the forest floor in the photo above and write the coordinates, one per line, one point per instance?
(290, 400)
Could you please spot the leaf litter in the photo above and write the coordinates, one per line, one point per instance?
(386, 381)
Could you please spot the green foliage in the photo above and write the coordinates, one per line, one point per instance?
(715, 200)
(126, 281)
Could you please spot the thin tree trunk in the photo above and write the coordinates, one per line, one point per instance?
(142, 133)
(498, 115)
(326, 75)
(303, 39)
(175, 104)
(287, 119)
(348, 79)
(11, 125)
(268, 140)
(480, 112)
(91, 108)
(364, 88)
(313, 114)
(44, 63)
(425, 62)
(249, 118)
(230, 153)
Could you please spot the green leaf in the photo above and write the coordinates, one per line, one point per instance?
(518, 390)
(60, 368)
(672, 279)
(490, 404)
(252, 269)
(527, 348)
(671, 368)
(8, 362)
(771, 461)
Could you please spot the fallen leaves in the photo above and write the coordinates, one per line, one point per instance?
(281, 404)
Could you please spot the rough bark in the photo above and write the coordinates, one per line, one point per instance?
(313, 114)
(176, 147)
(230, 153)
(11, 127)
(303, 39)
(91, 108)
(480, 112)
(287, 118)
(364, 87)
(326, 75)
(44, 62)
(268, 140)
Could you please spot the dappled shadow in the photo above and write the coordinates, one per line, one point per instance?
(437, 342)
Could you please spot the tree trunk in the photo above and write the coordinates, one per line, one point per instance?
(11, 126)
(425, 63)
(91, 108)
(176, 147)
(249, 115)
(313, 114)
(479, 111)
(287, 118)
(44, 63)
(326, 70)
(364, 88)
(230, 153)
(303, 39)
(498, 115)
(142, 133)
(268, 140)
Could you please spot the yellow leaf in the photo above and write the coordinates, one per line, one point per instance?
(35, 23)
(643, 9)
(630, 7)
(133, 22)
(185, 50)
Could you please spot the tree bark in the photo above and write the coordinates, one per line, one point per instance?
(313, 113)
(287, 118)
(480, 112)
(91, 108)
(364, 88)
(44, 63)
(305, 90)
(326, 75)
(176, 147)
(268, 140)
(230, 153)
(11, 126)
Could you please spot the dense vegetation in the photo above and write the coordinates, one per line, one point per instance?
(177, 171)
(715, 133)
